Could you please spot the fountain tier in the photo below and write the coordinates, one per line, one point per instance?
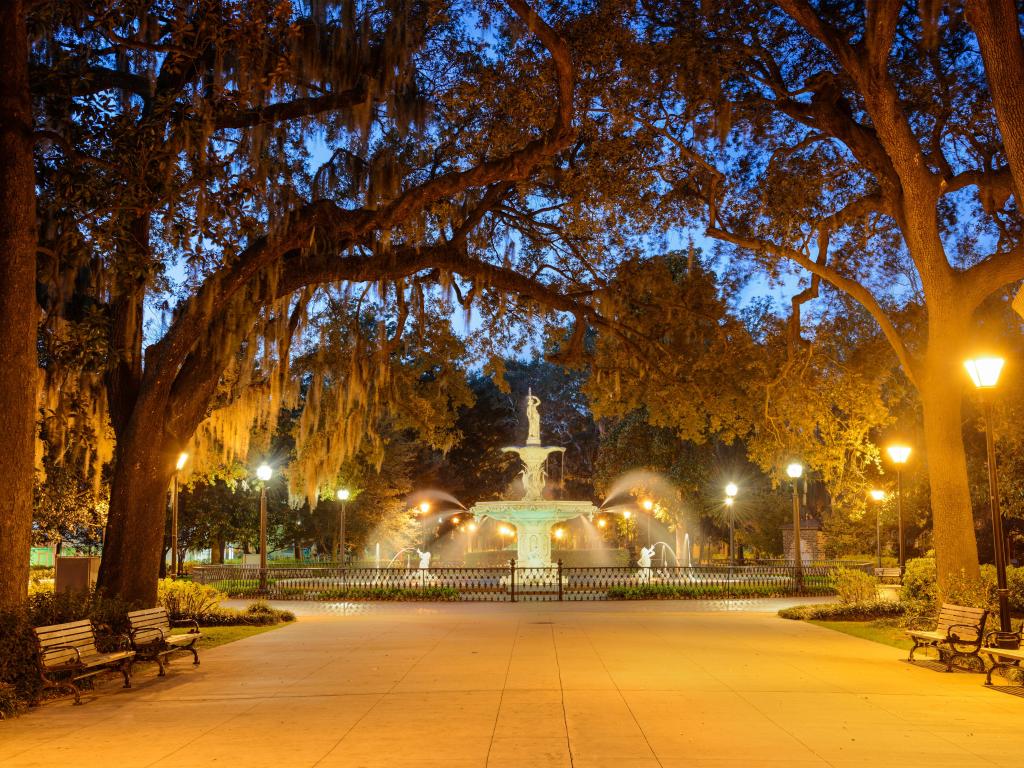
(533, 519)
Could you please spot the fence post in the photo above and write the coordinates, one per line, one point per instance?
(512, 579)
(559, 580)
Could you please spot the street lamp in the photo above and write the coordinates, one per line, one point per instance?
(175, 563)
(878, 496)
(730, 498)
(424, 508)
(984, 372)
(898, 454)
(795, 470)
(648, 506)
(263, 473)
(343, 494)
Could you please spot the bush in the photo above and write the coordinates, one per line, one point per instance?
(854, 587)
(865, 611)
(10, 704)
(187, 599)
(693, 591)
(258, 613)
(373, 593)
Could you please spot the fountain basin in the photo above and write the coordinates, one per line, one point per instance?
(533, 519)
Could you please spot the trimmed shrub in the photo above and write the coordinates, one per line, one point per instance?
(865, 611)
(258, 613)
(187, 599)
(854, 586)
(10, 704)
(693, 591)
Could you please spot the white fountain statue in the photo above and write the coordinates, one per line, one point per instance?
(533, 515)
(646, 553)
(424, 560)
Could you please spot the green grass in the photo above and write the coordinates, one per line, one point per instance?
(877, 631)
(214, 636)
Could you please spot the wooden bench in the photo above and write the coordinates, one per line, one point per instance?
(70, 650)
(889, 575)
(959, 631)
(152, 638)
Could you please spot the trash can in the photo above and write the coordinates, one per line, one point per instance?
(76, 574)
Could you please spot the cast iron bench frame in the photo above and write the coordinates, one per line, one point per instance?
(152, 640)
(959, 632)
(71, 648)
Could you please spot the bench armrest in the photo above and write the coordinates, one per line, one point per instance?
(136, 633)
(191, 623)
(55, 648)
(953, 636)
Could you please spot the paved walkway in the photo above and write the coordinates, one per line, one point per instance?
(623, 685)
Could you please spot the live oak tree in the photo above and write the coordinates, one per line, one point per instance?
(872, 147)
(181, 134)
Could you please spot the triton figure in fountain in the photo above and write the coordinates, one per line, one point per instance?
(533, 515)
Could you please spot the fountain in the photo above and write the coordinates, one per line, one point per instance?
(533, 516)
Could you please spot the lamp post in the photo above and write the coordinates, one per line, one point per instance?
(648, 506)
(264, 473)
(878, 497)
(730, 498)
(898, 454)
(343, 495)
(424, 508)
(175, 563)
(984, 372)
(795, 470)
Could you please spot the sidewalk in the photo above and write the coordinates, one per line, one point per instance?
(630, 685)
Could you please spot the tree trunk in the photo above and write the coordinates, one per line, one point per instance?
(18, 312)
(217, 551)
(942, 390)
(137, 516)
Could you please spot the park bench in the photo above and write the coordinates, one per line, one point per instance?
(959, 631)
(889, 575)
(70, 650)
(152, 638)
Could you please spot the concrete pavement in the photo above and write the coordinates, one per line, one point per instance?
(629, 685)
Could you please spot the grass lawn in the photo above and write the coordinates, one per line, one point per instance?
(878, 631)
(214, 636)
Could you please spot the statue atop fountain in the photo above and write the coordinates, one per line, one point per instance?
(533, 515)
(424, 560)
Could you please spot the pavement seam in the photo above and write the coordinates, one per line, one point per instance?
(561, 695)
(618, 690)
(382, 696)
(501, 696)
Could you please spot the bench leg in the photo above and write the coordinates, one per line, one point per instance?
(917, 645)
(195, 653)
(126, 672)
(159, 657)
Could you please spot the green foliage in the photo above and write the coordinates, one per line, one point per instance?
(865, 611)
(695, 591)
(257, 613)
(10, 704)
(432, 594)
(187, 599)
(854, 586)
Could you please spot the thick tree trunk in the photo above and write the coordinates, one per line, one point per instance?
(18, 313)
(217, 551)
(143, 469)
(942, 390)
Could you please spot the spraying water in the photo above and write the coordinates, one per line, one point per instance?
(666, 547)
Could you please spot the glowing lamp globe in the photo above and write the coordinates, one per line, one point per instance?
(182, 458)
(264, 472)
(876, 494)
(343, 494)
(795, 470)
(424, 507)
(648, 505)
(731, 490)
(559, 533)
(729, 501)
(984, 371)
(898, 453)
(627, 514)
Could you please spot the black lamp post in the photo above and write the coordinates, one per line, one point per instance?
(984, 372)
(175, 563)
(899, 454)
(343, 495)
(795, 470)
(264, 474)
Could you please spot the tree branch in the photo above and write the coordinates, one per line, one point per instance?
(849, 286)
